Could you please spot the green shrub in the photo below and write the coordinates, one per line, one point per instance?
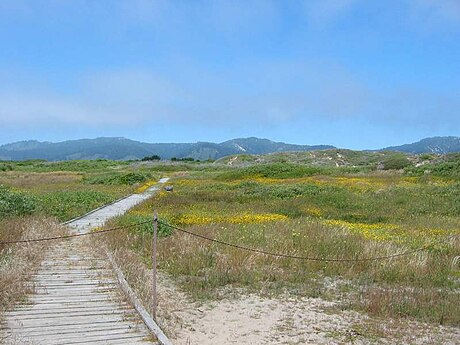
(13, 204)
(396, 162)
(151, 158)
(69, 204)
(448, 168)
(6, 167)
(129, 179)
(426, 156)
(275, 170)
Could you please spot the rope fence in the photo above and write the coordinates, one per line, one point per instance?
(237, 246)
(123, 227)
(307, 258)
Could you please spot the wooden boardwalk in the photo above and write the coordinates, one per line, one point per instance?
(77, 298)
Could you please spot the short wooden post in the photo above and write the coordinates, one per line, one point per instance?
(154, 265)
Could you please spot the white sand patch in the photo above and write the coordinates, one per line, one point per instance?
(253, 320)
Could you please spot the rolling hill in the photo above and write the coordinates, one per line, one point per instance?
(440, 145)
(126, 149)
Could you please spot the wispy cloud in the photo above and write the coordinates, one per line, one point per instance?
(133, 97)
(418, 108)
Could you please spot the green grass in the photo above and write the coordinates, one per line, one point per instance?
(65, 205)
(15, 204)
(321, 211)
(446, 167)
(382, 214)
(116, 178)
(66, 189)
(275, 170)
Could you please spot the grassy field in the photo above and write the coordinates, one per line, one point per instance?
(66, 189)
(306, 211)
(352, 211)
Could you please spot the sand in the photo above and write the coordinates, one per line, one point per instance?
(244, 318)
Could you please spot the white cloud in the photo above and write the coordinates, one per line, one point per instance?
(416, 108)
(32, 109)
(272, 93)
(123, 98)
(263, 95)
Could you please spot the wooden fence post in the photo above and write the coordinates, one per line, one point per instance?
(154, 265)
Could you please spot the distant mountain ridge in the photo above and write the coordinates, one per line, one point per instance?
(440, 145)
(126, 149)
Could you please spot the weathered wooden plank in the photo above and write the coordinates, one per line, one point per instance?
(73, 325)
(77, 298)
(81, 289)
(108, 339)
(87, 334)
(63, 310)
(24, 323)
(66, 315)
(78, 332)
(57, 307)
(124, 340)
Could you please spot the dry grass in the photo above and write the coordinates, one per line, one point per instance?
(348, 223)
(19, 261)
(421, 286)
(36, 181)
(138, 273)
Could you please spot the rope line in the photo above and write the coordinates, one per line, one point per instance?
(233, 245)
(76, 235)
(307, 258)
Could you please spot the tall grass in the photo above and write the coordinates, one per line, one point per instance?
(382, 287)
(19, 261)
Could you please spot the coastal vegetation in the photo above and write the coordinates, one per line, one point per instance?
(350, 224)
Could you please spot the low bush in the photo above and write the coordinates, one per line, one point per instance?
(6, 167)
(69, 204)
(130, 178)
(151, 158)
(396, 162)
(275, 170)
(14, 204)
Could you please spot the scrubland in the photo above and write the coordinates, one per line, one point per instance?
(325, 213)
(304, 212)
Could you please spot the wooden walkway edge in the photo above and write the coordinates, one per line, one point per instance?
(149, 322)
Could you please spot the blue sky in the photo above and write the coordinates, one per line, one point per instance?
(352, 73)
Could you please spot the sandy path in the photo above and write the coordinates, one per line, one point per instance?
(253, 320)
